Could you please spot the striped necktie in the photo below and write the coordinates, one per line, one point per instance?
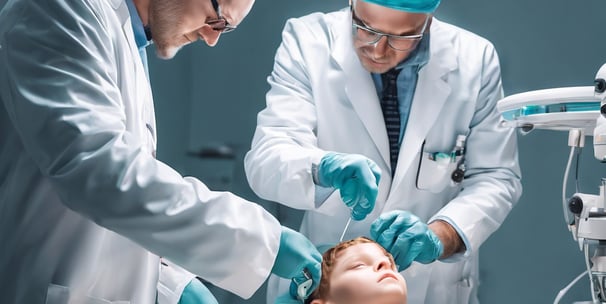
(391, 114)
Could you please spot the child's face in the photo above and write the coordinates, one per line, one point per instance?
(364, 274)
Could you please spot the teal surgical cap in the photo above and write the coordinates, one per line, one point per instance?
(412, 6)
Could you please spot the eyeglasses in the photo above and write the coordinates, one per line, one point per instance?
(219, 24)
(371, 36)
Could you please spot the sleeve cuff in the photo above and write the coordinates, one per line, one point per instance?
(321, 194)
(457, 256)
(316, 159)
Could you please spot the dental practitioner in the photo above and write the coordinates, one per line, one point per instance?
(383, 114)
(86, 210)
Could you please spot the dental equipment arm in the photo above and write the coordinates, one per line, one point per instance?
(581, 111)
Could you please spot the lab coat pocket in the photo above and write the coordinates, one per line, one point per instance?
(464, 288)
(57, 294)
(435, 171)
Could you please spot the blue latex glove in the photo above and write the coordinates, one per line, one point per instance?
(357, 178)
(297, 253)
(196, 293)
(406, 238)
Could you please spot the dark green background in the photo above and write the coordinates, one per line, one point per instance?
(209, 97)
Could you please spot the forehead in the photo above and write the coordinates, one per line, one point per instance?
(381, 17)
(369, 250)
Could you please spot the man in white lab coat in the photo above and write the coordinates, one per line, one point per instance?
(85, 207)
(430, 183)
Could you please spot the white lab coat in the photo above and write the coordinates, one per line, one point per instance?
(322, 99)
(82, 198)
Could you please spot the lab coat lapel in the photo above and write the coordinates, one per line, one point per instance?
(430, 95)
(138, 96)
(127, 27)
(360, 88)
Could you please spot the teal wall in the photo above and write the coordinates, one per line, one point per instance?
(208, 98)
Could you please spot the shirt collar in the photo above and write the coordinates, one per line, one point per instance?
(419, 56)
(139, 30)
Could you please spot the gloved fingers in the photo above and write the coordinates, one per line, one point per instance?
(314, 262)
(409, 245)
(195, 293)
(349, 193)
(357, 198)
(294, 254)
(376, 171)
(428, 242)
(433, 248)
(399, 236)
(344, 175)
(301, 286)
(310, 268)
(422, 244)
(384, 221)
(391, 224)
(330, 170)
(359, 213)
(387, 238)
(404, 220)
(362, 208)
(313, 255)
(316, 255)
(316, 275)
(367, 198)
(402, 261)
(367, 183)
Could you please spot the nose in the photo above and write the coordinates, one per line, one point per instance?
(383, 264)
(380, 47)
(210, 36)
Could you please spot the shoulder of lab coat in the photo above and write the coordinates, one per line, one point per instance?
(70, 90)
(284, 149)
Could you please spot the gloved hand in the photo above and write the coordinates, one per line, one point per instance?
(357, 178)
(196, 293)
(297, 259)
(406, 238)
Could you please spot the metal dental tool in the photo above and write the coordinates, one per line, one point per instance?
(345, 230)
(302, 286)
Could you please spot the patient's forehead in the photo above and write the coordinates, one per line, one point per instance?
(368, 248)
(363, 250)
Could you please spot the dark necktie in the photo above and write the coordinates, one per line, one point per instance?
(391, 114)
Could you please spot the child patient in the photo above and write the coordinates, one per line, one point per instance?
(359, 271)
